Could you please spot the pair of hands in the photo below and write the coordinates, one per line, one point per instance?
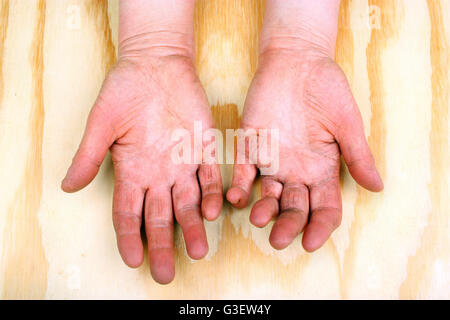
(154, 90)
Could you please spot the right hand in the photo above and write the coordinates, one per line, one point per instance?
(144, 98)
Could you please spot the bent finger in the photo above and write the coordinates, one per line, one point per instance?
(239, 193)
(293, 216)
(326, 214)
(212, 191)
(267, 207)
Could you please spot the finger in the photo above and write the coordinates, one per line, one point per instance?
(293, 216)
(239, 193)
(326, 214)
(356, 151)
(212, 190)
(127, 217)
(97, 139)
(186, 199)
(267, 208)
(159, 231)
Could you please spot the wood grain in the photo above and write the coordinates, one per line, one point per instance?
(427, 257)
(4, 18)
(393, 245)
(24, 256)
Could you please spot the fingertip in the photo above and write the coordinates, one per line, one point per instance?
(263, 211)
(288, 226)
(78, 177)
(379, 185)
(278, 242)
(310, 249)
(311, 243)
(197, 249)
(367, 176)
(374, 183)
(65, 183)
(237, 197)
(233, 196)
(164, 278)
(211, 206)
(131, 250)
(257, 221)
(278, 238)
(162, 265)
(318, 231)
(64, 186)
(67, 186)
(357, 155)
(134, 262)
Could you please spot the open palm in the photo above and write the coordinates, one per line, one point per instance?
(309, 101)
(143, 100)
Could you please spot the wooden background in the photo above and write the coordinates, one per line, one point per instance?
(53, 57)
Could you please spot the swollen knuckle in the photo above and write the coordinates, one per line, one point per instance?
(211, 188)
(293, 197)
(158, 223)
(126, 222)
(188, 209)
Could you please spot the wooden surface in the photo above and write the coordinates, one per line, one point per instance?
(53, 57)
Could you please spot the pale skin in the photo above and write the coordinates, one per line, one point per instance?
(154, 90)
(300, 90)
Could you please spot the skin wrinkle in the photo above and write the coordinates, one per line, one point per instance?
(159, 223)
(187, 208)
(322, 182)
(210, 188)
(143, 113)
(410, 287)
(163, 117)
(139, 44)
(316, 83)
(127, 221)
(309, 150)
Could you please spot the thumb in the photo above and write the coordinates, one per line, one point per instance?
(97, 139)
(356, 151)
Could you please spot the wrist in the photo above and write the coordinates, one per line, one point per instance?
(155, 28)
(303, 26)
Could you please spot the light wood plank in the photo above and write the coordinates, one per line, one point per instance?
(54, 55)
